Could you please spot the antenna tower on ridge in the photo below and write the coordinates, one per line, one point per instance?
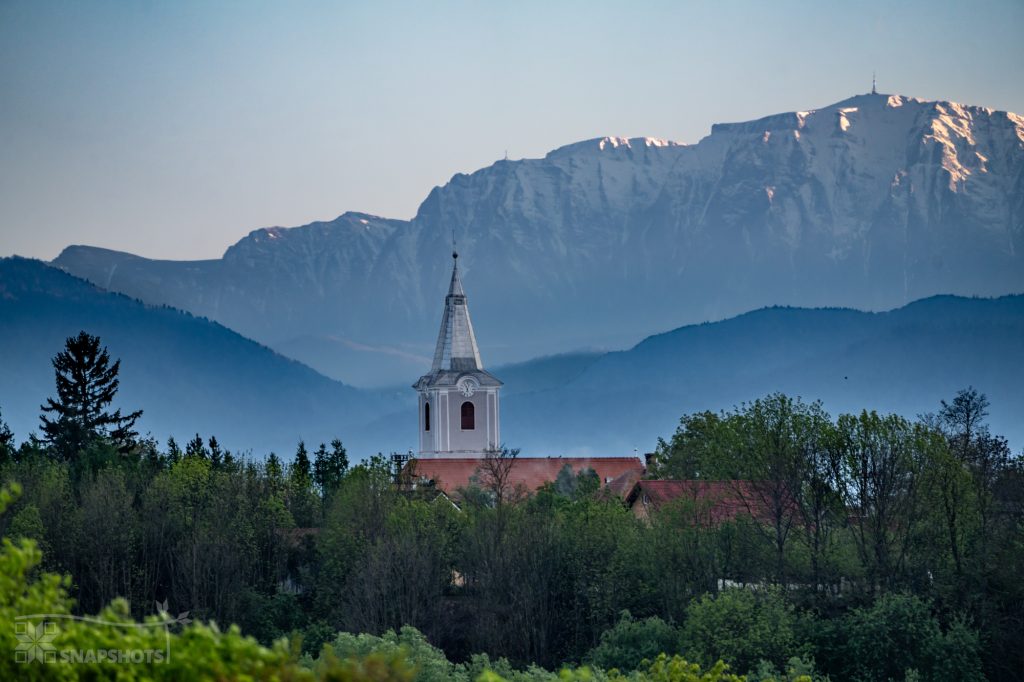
(874, 90)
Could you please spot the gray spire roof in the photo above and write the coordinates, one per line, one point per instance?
(456, 344)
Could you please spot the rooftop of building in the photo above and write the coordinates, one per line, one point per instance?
(450, 473)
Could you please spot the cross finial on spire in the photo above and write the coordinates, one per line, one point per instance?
(455, 251)
(874, 90)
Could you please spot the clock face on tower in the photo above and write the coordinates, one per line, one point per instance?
(467, 386)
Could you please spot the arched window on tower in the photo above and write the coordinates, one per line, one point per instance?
(468, 416)
(426, 416)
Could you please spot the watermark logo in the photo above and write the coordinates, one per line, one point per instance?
(38, 639)
(35, 642)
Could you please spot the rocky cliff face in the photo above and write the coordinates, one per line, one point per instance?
(871, 202)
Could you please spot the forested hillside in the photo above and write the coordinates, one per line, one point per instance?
(899, 361)
(191, 374)
(196, 376)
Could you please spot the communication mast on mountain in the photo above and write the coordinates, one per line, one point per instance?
(874, 90)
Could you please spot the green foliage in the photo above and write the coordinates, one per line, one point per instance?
(677, 669)
(701, 440)
(196, 448)
(27, 523)
(631, 642)
(86, 386)
(274, 470)
(404, 573)
(896, 637)
(372, 668)
(6, 442)
(834, 515)
(329, 468)
(778, 446)
(897, 634)
(798, 669)
(880, 460)
(429, 662)
(87, 649)
(425, 663)
(742, 627)
(218, 457)
(300, 471)
(961, 653)
(301, 500)
(576, 485)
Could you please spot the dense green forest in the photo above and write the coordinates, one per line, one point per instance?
(881, 548)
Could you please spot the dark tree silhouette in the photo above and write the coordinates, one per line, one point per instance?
(173, 451)
(495, 472)
(301, 471)
(217, 456)
(86, 385)
(329, 467)
(6, 435)
(6, 441)
(196, 448)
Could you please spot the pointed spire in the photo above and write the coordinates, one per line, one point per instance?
(456, 343)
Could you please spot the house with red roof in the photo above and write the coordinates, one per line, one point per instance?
(711, 502)
(528, 474)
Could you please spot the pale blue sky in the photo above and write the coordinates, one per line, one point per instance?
(171, 129)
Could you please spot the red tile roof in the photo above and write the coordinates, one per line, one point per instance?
(531, 472)
(719, 500)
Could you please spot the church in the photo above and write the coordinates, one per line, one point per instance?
(459, 416)
(458, 399)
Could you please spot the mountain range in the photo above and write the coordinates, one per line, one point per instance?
(188, 374)
(868, 203)
(192, 375)
(903, 361)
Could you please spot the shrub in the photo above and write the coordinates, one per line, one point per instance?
(741, 627)
(630, 642)
(798, 669)
(898, 634)
(430, 663)
(662, 669)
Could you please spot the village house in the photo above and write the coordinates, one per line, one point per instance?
(711, 502)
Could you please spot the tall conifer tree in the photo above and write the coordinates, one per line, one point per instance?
(86, 385)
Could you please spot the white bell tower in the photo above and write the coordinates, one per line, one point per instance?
(458, 399)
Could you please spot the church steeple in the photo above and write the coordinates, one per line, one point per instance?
(458, 398)
(456, 348)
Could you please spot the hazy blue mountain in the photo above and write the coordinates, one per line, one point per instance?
(904, 361)
(869, 203)
(545, 373)
(188, 374)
